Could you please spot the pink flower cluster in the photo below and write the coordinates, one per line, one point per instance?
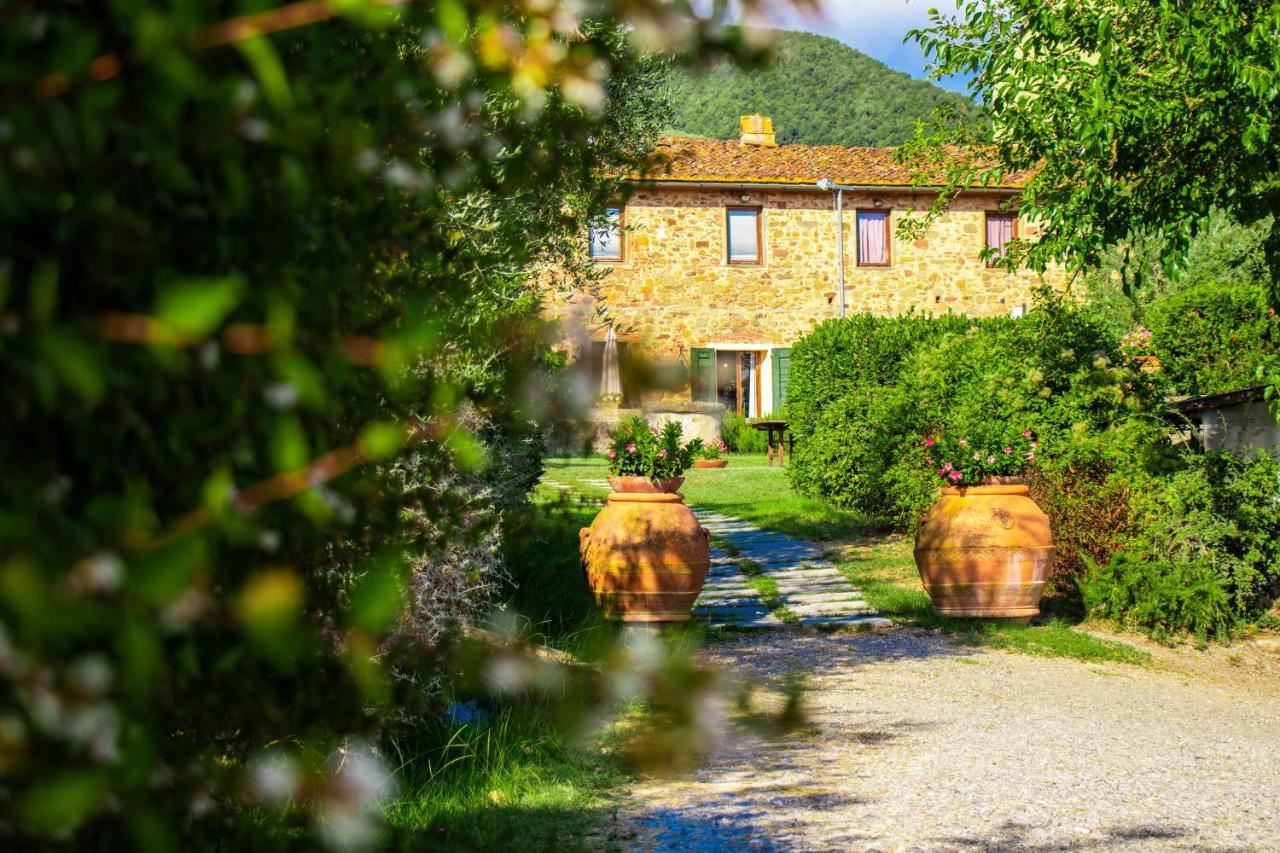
(1136, 342)
(948, 470)
(1001, 461)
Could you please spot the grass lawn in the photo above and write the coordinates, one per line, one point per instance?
(887, 576)
(880, 565)
(747, 489)
(513, 780)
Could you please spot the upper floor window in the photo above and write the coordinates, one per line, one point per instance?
(606, 240)
(873, 238)
(1001, 228)
(743, 224)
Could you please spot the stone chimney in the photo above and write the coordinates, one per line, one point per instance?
(757, 130)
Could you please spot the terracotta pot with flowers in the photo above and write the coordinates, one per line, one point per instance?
(645, 555)
(711, 455)
(985, 547)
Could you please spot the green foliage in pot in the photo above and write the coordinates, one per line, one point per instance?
(961, 462)
(1104, 468)
(639, 450)
(713, 449)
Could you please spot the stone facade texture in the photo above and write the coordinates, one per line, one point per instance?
(674, 290)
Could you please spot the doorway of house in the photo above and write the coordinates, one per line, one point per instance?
(738, 381)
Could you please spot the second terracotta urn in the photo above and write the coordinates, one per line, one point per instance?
(985, 550)
(646, 557)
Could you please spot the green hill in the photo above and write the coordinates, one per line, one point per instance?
(818, 91)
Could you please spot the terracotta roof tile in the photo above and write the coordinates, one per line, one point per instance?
(684, 159)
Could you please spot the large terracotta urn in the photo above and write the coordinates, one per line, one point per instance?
(645, 557)
(985, 550)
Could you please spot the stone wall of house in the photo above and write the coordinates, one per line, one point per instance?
(674, 290)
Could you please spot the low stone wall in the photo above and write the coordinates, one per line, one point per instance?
(698, 420)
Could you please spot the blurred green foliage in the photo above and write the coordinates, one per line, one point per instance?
(272, 376)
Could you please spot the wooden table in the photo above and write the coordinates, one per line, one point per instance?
(776, 440)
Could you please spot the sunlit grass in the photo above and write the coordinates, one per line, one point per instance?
(888, 579)
(748, 489)
(511, 782)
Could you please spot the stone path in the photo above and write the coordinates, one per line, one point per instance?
(810, 588)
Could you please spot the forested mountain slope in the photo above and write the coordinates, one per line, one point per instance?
(818, 91)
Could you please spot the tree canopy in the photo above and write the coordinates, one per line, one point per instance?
(1139, 117)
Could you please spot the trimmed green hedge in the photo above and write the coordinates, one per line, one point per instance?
(1212, 338)
(866, 391)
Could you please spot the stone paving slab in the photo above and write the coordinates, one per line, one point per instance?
(867, 621)
(809, 585)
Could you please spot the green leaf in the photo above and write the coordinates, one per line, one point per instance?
(62, 803)
(379, 595)
(300, 373)
(217, 491)
(382, 440)
(453, 19)
(269, 70)
(44, 292)
(467, 450)
(193, 308)
(162, 575)
(289, 446)
(73, 362)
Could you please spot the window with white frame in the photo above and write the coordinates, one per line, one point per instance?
(606, 240)
(743, 231)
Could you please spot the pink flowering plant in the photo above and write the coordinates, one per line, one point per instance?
(957, 461)
(713, 449)
(1137, 343)
(639, 450)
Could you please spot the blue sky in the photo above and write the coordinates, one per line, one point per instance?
(877, 28)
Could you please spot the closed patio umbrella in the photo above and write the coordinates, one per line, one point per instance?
(610, 382)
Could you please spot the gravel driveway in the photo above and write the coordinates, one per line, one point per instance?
(919, 744)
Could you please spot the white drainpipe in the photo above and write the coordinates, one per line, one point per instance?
(828, 185)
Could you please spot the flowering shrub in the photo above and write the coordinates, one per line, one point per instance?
(1137, 343)
(961, 463)
(639, 450)
(713, 449)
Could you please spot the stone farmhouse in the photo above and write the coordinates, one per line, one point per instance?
(727, 251)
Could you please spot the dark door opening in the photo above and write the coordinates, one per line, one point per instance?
(735, 380)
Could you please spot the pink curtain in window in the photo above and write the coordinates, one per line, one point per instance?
(871, 242)
(999, 232)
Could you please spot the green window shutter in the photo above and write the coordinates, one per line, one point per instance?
(781, 360)
(702, 374)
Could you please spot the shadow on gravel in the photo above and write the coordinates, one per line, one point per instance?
(810, 653)
(1012, 838)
